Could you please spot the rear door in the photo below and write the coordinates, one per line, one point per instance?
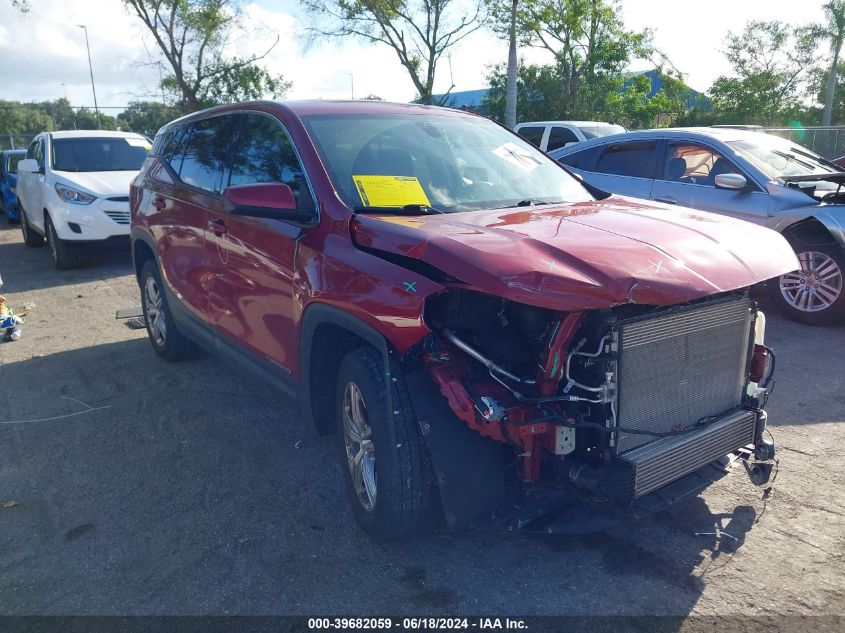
(196, 155)
(626, 168)
(687, 178)
(250, 260)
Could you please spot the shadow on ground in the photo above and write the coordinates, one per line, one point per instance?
(187, 489)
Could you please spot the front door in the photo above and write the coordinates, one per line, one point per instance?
(687, 178)
(251, 261)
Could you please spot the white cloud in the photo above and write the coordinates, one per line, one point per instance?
(43, 49)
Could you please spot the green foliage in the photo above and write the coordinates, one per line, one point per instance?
(146, 117)
(418, 31)
(23, 120)
(590, 44)
(614, 98)
(192, 36)
(771, 62)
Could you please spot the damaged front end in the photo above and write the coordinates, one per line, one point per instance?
(619, 404)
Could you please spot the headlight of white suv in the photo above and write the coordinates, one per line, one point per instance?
(73, 196)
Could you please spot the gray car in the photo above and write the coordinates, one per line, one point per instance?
(749, 175)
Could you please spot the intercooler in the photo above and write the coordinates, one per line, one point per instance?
(682, 369)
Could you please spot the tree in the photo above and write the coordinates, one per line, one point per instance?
(538, 93)
(192, 36)
(770, 61)
(420, 32)
(146, 117)
(835, 32)
(504, 15)
(590, 43)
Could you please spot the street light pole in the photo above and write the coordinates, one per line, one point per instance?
(91, 70)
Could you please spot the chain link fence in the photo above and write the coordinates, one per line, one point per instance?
(16, 141)
(825, 141)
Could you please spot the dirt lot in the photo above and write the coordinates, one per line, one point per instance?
(188, 489)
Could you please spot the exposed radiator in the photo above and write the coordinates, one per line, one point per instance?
(659, 463)
(677, 368)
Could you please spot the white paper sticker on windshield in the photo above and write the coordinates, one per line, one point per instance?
(139, 142)
(517, 156)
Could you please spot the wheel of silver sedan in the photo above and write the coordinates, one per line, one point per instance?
(360, 454)
(817, 286)
(153, 312)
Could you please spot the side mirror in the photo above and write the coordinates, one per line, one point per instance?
(730, 181)
(28, 165)
(265, 200)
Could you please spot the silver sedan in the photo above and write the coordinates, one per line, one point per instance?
(748, 175)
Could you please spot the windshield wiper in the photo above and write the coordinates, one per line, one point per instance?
(529, 202)
(408, 209)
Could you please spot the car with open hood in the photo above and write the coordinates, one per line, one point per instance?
(471, 322)
(749, 175)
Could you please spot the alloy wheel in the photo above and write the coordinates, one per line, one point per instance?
(153, 312)
(816, 286)
(360, 453)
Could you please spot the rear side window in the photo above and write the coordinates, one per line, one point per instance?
(637, 160)
(533, 135)
(559, 137)
(585, 159)
(206, 153)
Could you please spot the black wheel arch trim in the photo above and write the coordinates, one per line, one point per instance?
(470, 469)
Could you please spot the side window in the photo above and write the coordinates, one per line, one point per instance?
(637, 160)
(559, 137)
(265, 154)
(533, 135)
(33, 149)
(585, 159)
(694, 164)
(206, 153)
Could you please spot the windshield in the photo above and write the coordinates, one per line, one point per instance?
(451, 163)
(12, 161)
(601, 129)
(778, 158)
(99, 154)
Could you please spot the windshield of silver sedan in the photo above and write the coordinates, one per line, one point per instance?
(443, 162)
(778, 158)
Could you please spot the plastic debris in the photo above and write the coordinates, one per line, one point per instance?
(9, 320)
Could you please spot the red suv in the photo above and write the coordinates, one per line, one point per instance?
(469, 319)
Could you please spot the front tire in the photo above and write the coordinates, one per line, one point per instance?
(64, 258)
(30, 237)
(167, 341)
(388, 471)
(816, 293)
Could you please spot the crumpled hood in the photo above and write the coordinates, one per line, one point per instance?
(587, 255)
(103, 184)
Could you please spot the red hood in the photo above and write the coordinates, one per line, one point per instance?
(587, 255)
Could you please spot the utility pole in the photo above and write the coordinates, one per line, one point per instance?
(91, 70)
(352, 85)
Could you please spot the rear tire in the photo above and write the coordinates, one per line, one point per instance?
(30, 237)
(167, 341)
(392, 492)
(64, 257)
(816, 294)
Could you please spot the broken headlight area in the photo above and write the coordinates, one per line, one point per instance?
(618, 402)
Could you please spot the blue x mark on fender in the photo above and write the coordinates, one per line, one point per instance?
(409, 286)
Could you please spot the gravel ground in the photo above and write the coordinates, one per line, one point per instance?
(189, 489)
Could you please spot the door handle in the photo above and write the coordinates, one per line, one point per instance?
(666, 200)
(218, 227)
(159, 203)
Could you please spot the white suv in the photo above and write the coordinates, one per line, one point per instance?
(73, 189)
(552, 135)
